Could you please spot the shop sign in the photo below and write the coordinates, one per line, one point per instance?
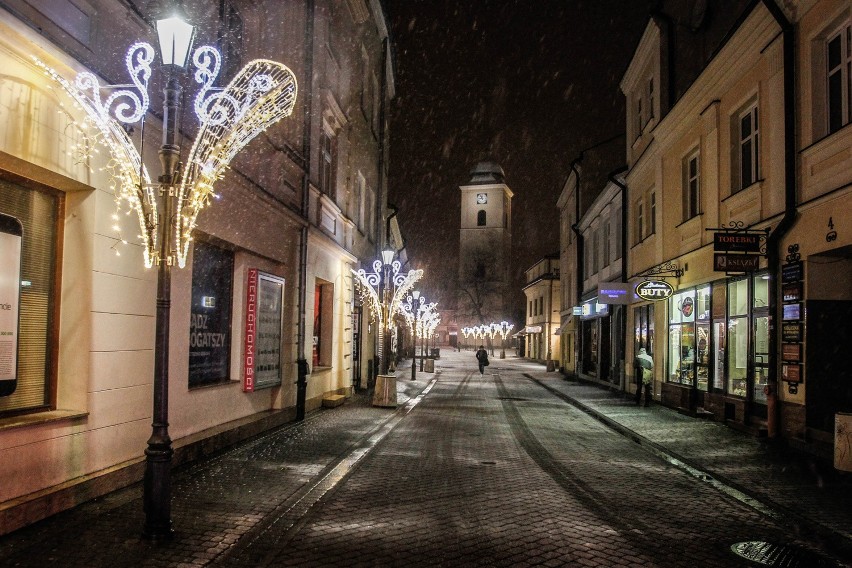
(735, 262)
(736, 242)
(250, 331)
(614, 293)
(791, 352)
(791, 372)
(577, 310)
(791, 331)
(11, 235)
(791, 272)
(533, 329)
(791, 312)
(791, 292)
(654, 290)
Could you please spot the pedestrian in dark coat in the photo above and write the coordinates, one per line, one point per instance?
(482, 357)
(644, 366)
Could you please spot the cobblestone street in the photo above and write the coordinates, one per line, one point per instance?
(518, 467)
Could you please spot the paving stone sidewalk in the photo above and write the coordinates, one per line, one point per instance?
(806, 491)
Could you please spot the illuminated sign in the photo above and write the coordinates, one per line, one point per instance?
(738, 242)
(11, 234)
(654, 290)
(250, 331)
(614, 293)
(735, 262)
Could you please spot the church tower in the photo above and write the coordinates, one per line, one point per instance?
(485, 242)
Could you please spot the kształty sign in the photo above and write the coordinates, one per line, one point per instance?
(654, 290)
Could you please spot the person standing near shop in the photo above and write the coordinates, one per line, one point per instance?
(482, 357)
(644, 367)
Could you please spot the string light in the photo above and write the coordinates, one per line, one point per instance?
(262, 93)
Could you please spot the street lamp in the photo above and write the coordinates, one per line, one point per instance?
(412, 310)
(504, 329)
(259, 95)
(383, 290)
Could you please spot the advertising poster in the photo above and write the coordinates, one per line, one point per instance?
(270, 321)
(210, 320)
(11, 232)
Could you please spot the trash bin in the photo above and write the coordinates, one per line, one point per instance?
(436, 353)
(430, 366)
(843, 441)
(551, 365)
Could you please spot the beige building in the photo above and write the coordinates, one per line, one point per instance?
(299, 207)
(543, 296)
(744, 336)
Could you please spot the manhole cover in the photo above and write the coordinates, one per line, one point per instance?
(769, 554)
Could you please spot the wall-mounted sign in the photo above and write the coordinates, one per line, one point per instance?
(577, 310)
(250, 351)
(263, 331)
(791, 312)
(735, 262)
(654, 290)
(791, 292)
(791, 372)
(791, 272)
(614, 293)
(791, 352)
(11, 235)
(533, 329)
(736, 242)
(791, 331)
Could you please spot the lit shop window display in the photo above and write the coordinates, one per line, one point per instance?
(689, 337)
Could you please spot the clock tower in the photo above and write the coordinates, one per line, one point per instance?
(485, 242)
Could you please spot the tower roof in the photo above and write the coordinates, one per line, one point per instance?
(486, 173)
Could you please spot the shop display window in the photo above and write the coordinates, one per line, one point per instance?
(719, 336)
(702, 338)
(682, 338)
(32, 347)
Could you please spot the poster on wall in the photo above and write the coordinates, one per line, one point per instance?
(210, 318)
(264, 331)
(11, 235)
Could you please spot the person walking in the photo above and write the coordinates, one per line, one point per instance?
(482, 357)
(644, 367)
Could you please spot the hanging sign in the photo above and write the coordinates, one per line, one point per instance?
(654, 290)
(736, 242)
(735, 262)
(11, 234)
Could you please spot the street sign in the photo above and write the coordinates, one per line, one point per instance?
(723, 262)
(736, 242)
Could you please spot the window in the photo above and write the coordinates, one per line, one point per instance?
(691, 186)
(839, 77)
(643, 327)
(650, 99)
(359, 201)
(640, 117)
(748, 154)
(652, 214)
(618, 230)
(323, 323)
(681, 361)
(210, 315)
(594, 253)
(480, 218)
(230, 39)
(370, 213)
(606, 238)
(326, 173)
(366, 86)
(639, 223)
(376, 104)
(39, 214)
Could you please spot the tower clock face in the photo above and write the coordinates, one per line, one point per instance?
(481, 198)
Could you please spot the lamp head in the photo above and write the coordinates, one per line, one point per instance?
(387, 255)
(175, 35)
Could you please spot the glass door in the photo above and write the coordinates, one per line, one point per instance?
(761, 358)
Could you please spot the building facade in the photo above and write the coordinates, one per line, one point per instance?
(543, 303)
(300, 205)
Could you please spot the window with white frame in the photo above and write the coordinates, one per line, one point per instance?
(691, 186)
(838, 57)
(652, 214)
(326, 172)
(639, 223)
(747, 153)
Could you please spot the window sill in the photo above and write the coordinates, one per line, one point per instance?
(320, 369)
(39, 418)
(746, 188)
(694, 217)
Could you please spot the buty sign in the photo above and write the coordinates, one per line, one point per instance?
(654, 290)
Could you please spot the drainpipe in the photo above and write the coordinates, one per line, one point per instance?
(302, 362)
(579, 268)
(773, 242)
(623, 331)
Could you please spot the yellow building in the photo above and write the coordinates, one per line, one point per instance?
(542, 292)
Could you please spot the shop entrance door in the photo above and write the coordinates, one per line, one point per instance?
(760, 369)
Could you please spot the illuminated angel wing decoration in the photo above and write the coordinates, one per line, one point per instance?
(129, 180)
(261, 94)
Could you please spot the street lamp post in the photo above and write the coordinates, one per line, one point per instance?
(259, 95)
(418, 301)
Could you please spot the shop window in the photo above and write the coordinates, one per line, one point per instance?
(702, 338)
(737, 337)
(323, 323)
(643, 329)
(210, 316)
(838, 55)
(480, 218)
(682, 341)
(719, 336)
(31, 337)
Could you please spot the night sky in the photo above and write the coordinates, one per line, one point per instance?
(525, 83)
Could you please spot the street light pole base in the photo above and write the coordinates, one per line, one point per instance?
(384, 394)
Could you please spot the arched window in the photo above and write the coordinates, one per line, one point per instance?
(480, 218)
